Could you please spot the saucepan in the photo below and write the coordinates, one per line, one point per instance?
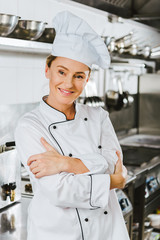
(7, 24)
(116, 100)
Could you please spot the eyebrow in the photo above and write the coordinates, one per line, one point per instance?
(68, 70)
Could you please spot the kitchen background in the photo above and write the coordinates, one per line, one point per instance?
(23, 83)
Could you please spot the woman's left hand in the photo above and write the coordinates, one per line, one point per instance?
(47, 163)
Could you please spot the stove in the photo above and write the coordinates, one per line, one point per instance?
(138, 156)
(141, 156)
(141, 140)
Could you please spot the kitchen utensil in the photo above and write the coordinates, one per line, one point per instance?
(92, 98)
(124, 41)
(106, 39)
(114, 99)
(112, 46)
(146, 51)
(28, 29)
(7, 24)
(132, 49)
(7, 146)
(48, 35)
(118, 99)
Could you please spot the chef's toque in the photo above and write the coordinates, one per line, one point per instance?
(76, 40)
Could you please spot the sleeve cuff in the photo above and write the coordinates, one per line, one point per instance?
(95, 162)
(100, 190)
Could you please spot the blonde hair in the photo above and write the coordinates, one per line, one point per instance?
(51, 58)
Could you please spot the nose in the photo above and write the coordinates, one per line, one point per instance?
(68, 82)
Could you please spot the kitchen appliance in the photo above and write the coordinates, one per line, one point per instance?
(143, 11)
(10, 179)
(13, 221)
(142, 156)
(127, 209)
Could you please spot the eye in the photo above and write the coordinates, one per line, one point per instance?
(79, 77)
(61, 72)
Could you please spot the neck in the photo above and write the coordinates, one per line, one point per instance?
(67, 109)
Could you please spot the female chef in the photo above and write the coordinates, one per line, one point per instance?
(70, 149)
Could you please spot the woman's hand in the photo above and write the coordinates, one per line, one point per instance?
(47, 163)
(51, 162)
(118, 179)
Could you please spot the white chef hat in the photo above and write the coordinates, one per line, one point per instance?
(76, 40)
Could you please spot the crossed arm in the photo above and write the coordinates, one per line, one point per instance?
(51, 162)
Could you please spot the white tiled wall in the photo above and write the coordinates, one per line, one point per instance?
(22, 77)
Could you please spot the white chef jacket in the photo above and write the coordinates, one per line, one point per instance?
(70, 206)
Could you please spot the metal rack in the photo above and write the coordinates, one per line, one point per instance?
(19, 45)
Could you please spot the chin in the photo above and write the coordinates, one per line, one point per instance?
(66, 101)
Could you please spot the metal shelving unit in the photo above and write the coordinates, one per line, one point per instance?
(19, 45)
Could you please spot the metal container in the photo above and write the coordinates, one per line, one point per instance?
(28, 30)
(48, 35)
(7, 24)
(10, 178)
(116, 100)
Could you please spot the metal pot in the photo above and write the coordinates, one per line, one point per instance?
(7, 24)
(116, 100)
(94, 101)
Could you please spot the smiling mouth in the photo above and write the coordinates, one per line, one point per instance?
(65, 92)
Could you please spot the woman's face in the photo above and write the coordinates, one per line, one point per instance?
(67, 80)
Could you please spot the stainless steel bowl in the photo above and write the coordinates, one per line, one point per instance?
(7, 24)
(48, 35)
(28, 29)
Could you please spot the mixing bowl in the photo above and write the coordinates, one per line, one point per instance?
(28, 30)
(7, 24)
(48, 35)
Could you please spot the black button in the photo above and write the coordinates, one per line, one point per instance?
(70, 155)
(54, 127)
(99, 146)
(86, 219)
(85, 119)
(105, 212)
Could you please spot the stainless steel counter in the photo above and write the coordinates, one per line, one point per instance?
(13, 221)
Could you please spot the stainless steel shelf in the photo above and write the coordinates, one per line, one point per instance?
(19, 45)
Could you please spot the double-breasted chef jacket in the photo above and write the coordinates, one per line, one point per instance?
(70, 206)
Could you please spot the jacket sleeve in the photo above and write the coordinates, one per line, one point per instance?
(65, 189)
(109, 142)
